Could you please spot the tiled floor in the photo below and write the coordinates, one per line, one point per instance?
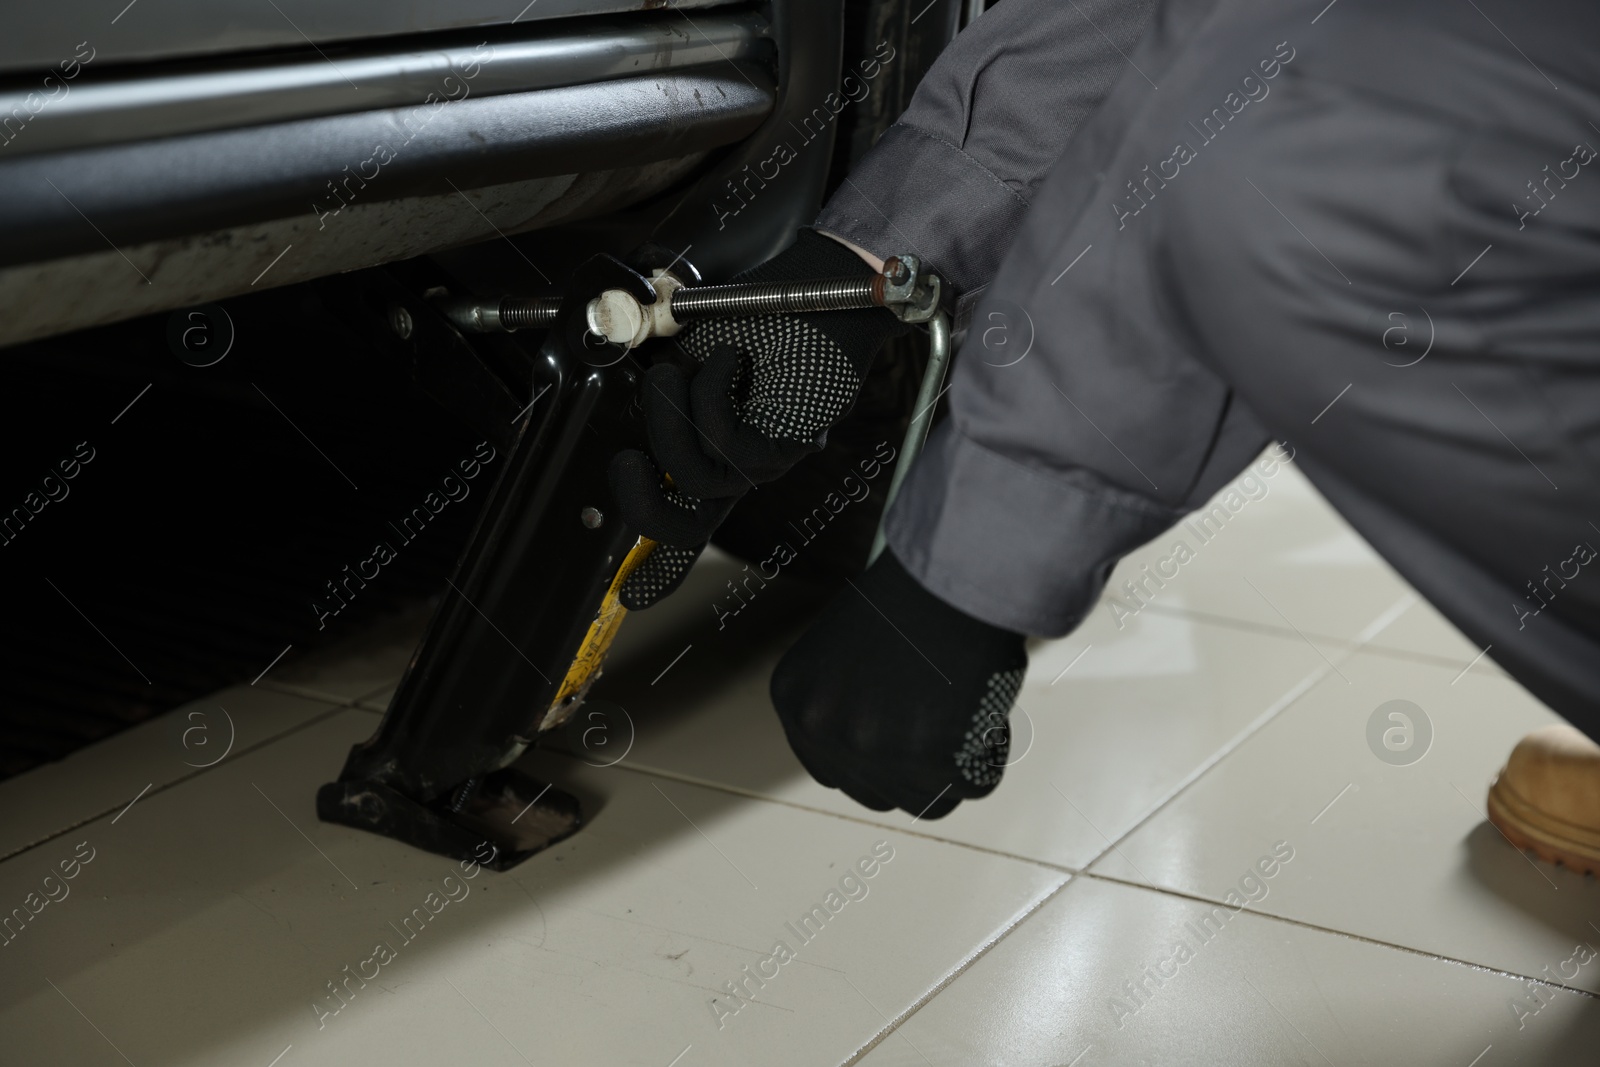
(1196, 857)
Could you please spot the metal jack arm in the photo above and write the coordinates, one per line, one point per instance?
(921, 420)
(437, 774)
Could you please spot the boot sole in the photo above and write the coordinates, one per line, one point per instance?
(1551, 839)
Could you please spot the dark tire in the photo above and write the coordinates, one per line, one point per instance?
(792, 510)
(867, 24)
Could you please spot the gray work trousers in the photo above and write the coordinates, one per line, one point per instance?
(1213, 215)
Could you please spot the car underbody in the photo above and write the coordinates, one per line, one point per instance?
(261, 219)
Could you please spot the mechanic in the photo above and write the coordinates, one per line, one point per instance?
(1210, 212)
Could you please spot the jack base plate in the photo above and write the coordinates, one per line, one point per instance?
(512, 813)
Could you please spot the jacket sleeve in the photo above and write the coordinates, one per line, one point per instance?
(1106, 427)
(949, 182)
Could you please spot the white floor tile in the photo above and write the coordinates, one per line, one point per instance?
(1398, 853)
(1096, 978)
(103, 777)
(1083, 767)
(1420, 630)
(1218, 734)
(362, 667)
(1269, 550)
(212, 919)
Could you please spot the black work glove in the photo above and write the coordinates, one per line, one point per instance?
(765, 394)
(899, 699)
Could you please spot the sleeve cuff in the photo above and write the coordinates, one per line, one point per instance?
(1010, 544)
(918, 193)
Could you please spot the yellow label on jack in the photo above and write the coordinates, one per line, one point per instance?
(585, 669)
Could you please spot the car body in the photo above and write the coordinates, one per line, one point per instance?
(211, 212)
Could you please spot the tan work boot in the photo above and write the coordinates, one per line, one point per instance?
(1547, 799)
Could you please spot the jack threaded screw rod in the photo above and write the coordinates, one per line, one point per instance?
(776, 298)
(889, 288)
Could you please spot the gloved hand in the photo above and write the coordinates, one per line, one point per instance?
(899, 699)
(765, 394)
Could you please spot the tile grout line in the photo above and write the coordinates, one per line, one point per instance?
(956, 972)
(1259, 723)
(1348, 649)
(1250, 625)
(1266, 629)
(156, 790)
(312, 693)
(1363, 637)
(738, 791)
(1427, 659)
(966, 964)
(1069, 874)
(1364, 939)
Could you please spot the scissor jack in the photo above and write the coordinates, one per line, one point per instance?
(522, 632)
